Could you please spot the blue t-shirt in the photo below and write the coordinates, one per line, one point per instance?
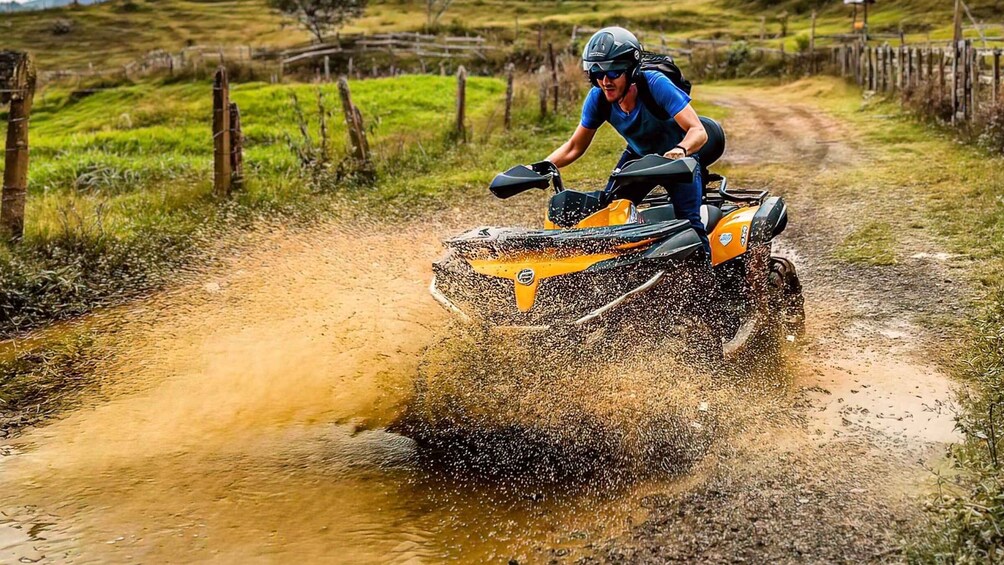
(644, 132)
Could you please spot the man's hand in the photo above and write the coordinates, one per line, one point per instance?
(543, 168)
(675, 153)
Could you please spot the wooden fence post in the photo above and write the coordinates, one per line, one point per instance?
(997, 76)
(812, 45)
(327, 68)
(236, 147)
(869, 70)
(543, 91)
(461, 102)
(976, 63)
(354, 123)
(908, 75)
(883, 68)
(508, 95)
(904, 78)
(930, 66)
(957, 83)
(554, 75)
(890, 71)
(859, 66)
(941, 73)
(221, 134)
(15, 176)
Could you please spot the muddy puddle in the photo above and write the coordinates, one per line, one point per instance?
(259, 416)
(306, 494)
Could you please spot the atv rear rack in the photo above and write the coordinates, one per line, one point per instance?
(722, 194)
(740, 195)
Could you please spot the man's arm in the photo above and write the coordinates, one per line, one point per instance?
(574, 147)
(695, 138)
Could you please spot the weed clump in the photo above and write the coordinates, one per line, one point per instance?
(79, 270)
(36, 382)
(967, 519)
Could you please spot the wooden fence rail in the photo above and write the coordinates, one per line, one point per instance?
(961, 72)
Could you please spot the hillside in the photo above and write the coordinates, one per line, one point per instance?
(116, 32)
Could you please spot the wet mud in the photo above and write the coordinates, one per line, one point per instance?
(309, 402)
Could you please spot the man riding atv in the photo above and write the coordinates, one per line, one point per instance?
(651, 113)
(696, 261)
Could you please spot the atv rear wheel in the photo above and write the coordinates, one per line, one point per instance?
(791, 304)
(774, 307)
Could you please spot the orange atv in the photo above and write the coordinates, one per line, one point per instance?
(603, 261)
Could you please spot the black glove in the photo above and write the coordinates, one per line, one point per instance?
(544, 168)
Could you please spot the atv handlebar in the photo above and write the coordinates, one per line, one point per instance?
(549, 171)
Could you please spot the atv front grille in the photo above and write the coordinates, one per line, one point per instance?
(559, 300)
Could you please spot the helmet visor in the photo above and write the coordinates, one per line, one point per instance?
(597, 66)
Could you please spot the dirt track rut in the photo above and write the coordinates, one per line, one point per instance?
(244, 419)
(869, 400)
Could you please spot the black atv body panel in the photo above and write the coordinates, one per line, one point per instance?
(769, 221)
(492, 241)
(569, 207)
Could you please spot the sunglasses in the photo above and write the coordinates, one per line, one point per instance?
(612, 75)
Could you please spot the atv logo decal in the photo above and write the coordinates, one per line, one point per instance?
(725, 238)
(744, 235)
(525, 277)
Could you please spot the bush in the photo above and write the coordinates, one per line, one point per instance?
(967, 522)
(61, 27)
(739, 61)
(991, 136)
(927, 101)
(802, 42)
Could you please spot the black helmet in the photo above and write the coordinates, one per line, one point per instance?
(612, 49)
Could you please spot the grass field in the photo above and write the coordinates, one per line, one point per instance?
(145, 148)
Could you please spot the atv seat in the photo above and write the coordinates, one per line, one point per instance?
(710, 215)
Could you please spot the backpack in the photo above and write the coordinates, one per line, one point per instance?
(665, 65)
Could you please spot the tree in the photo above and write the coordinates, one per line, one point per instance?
(434, 9)
(320, 16)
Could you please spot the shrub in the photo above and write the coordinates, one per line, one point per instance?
(991, 136)
(967, 521)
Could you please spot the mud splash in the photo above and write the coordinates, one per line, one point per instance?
(246, 420)
(528, 408)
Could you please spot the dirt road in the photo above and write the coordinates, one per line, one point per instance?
(246, 418)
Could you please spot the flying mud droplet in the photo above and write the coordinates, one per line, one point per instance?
(535, 410)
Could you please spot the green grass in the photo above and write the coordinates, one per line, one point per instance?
(873, 244)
